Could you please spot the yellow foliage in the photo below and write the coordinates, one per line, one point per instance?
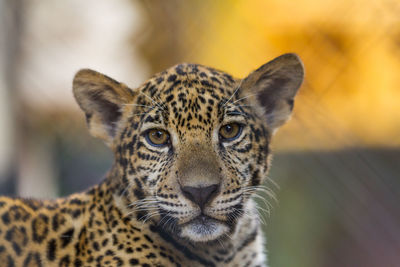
(351, 50)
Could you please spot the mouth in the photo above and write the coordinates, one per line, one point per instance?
(203, 228)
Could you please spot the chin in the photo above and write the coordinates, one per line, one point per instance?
(203, 229)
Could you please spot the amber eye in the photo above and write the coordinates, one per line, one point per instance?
(157, 137)
(230, 131)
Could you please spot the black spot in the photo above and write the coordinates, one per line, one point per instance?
(206, 83)
(17, 237)
(51, 249)
(33, 259)
(34, 205)
(6, 218)
(76, 213)
(248, 240)
(78, 263)
(134, 261)
(151, 255)
(66, 237)
(110, 253)
(76, 201)
(164, 235)
(202, 99)
(215, 80)
(104, 242)
(10, 261)
(55, 222)
(96, 246)
(65, 261)
(172, 78)
(148, 238)
(3, 254)
(18, 213)
(118, 260)
(159, 80)
(40, 228)
(179, 70)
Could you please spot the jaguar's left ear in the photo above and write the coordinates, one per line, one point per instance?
(274, 86)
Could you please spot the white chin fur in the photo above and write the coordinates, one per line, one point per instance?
(203, 231)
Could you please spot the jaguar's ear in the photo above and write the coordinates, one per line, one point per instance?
(273, 86)
(102, 99)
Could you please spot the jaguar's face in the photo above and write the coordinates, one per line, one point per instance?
(196, 152)
(191, 144)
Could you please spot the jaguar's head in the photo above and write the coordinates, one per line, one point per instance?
(192, 143)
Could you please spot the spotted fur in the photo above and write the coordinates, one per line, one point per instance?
(140, 215)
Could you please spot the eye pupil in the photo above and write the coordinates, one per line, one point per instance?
(158, 134)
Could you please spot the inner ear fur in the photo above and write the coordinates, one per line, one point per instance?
(274, 86)
(102, 99)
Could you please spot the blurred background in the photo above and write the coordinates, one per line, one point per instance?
(337, 162)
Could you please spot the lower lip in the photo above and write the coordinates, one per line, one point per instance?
(203, 220)
(203, 228)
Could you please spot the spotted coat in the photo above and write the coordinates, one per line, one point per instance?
(142, 213)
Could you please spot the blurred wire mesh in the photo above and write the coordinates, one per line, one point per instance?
(337, 161)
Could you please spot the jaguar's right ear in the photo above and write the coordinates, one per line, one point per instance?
(102, 99)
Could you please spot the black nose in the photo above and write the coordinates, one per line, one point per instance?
(200, 195)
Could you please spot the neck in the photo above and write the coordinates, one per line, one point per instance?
(215, 252)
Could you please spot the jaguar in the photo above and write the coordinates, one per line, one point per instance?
(191, 151)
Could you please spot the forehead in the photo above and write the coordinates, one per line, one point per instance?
(188, 95)
(190, 80)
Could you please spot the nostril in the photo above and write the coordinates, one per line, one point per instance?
(200, 195)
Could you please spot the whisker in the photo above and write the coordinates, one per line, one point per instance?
(234, 92)
(260, 217)
(221, 244)
(126, 188)
(230, 105)
(138, 114)
(242, 98)
(145, 208)
(137, 105)
(262, 188)
(148, 216)
(164, 217)
(152, 100)
(268, 179)
(267, 210)
(165, 224)
(263, 199)
(141, 204)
